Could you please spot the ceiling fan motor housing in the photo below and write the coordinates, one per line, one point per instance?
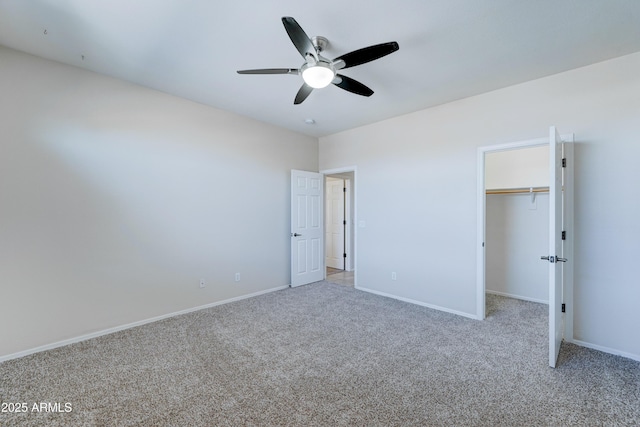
(320, 43)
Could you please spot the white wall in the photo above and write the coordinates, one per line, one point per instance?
(115, 200)
(517, 233)
(417, 193)
(524, 167)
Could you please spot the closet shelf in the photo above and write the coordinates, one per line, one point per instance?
(523, 190)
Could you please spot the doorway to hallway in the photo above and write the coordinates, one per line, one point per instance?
(339, 223)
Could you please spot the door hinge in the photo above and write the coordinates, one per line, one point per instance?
(344, 222)
(344, 189)
(563, 307)
(564, 235)
(344, 255)
(564, 163)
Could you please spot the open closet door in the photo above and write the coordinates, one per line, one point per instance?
(307, 243)
(555, 245)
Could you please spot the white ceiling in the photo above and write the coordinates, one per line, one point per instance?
(449, 49)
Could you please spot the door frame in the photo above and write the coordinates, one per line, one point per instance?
(568, 139)
(352, 259)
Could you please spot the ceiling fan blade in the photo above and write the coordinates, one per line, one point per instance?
(299, 38)
(353, 86)
(270, 71)
(302, 94)
(367, 54)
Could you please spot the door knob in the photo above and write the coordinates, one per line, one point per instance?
(553, 259)
(296, 235)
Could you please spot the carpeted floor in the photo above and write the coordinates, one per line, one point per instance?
(326, 355)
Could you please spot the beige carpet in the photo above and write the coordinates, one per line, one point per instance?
(326, 355)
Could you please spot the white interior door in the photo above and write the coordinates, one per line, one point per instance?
(335, 224)
(555, 256)
(307, 257)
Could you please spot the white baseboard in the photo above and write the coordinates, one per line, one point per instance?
(420, 303)
(613, 351)
(505, 294)
(132, 325)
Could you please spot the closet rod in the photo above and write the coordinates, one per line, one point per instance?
(523, 190)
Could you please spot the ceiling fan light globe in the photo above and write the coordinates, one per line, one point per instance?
(318, 75)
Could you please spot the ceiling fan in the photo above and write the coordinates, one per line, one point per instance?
(318, 71)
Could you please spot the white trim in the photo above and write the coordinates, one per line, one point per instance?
(420, 303)
(515, 145)
(347, 228)
(132, 325)
(568, 247)
(615, 352)
(505, 294)
(480, 235)
(336, 171)
(354, 170)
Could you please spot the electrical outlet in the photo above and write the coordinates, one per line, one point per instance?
(393, 275)
(237, 277)
(202, 283)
